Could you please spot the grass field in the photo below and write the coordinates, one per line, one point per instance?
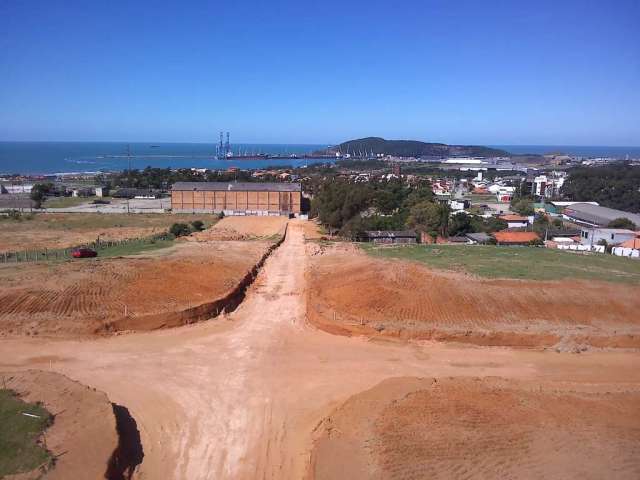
(66, 202)
(134, 248)
(19, 451)
(516, 262)
(62, 230)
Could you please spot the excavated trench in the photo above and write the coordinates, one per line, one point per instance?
(201, 312)
(129, 453)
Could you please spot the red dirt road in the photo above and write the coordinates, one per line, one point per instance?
(239, 397)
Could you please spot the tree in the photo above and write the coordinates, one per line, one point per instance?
(622, 222)
(523, 207)
(460, 224)
(179, 230)
(39, 192)
(197, 225)
(428, 217)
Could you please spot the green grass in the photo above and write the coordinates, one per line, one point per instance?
(19, 451)
(516, 262)
(481, 198)
(133, 248)
(66, 202)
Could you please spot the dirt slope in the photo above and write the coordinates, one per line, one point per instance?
(352, 293)
(242, 228)
(239, 398)
(480, 428)
(134, 293)
(83, 436)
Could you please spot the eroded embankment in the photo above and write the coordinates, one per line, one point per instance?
(480, 428)
(204, 311)
(83, 436)
(353, 294)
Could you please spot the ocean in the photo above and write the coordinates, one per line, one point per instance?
(70, 157)
(579, 151)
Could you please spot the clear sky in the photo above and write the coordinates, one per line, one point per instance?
(300, 71)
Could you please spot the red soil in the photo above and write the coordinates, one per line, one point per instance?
(351, 293)
(83, 435)
(133, 293)
(407, 428)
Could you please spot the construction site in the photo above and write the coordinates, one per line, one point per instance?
(256, 348)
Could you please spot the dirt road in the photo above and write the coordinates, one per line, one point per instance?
(240, 397)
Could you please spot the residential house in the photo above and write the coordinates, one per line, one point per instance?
(516, 221)
(613, 236)
(505, 237)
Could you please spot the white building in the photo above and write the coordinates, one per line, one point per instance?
(548, 185)
(613, 236)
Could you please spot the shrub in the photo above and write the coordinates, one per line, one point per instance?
(179, 230)
(197, 225)
(622, 223)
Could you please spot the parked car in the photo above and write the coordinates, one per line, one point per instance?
(84, 253)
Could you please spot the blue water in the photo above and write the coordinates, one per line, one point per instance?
(66, 157)
(579, 151)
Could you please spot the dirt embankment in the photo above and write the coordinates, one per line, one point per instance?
(83, 438)
(242, 228)
(352, 293)
(479, 428)
(162, 289)
(65, 230)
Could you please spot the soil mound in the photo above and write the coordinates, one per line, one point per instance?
(352, 293)
(479, 428)
(242, 228)
(132, 293)
(83, 436)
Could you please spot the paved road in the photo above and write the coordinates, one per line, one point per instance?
(238, 397)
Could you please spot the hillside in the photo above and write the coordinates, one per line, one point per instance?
(414, 148)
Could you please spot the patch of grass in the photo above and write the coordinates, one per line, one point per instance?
(66, 202)
(91, 221)
(516, 262)
(19, 450)
(133, 248)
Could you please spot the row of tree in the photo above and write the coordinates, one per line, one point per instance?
(351, 209)
(613, 186)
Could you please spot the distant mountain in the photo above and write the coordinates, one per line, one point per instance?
(414, 148)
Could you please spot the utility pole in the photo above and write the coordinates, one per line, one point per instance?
(129, 162)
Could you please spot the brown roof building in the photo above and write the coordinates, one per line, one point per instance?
(506, 237)
(236, 198)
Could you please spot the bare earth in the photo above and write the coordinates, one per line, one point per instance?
(83, 435)
(353, 293)
(142, 292)
(464, 427)
(65, 230)
(247, 396)
(242, 228)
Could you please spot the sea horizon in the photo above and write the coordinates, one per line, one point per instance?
(48, 157)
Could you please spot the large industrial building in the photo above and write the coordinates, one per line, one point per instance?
(236, 198)
(596, 216)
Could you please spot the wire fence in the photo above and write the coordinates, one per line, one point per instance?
(46, 254)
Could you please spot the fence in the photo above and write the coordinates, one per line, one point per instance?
(43, 255)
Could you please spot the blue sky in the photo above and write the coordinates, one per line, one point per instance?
(466, 71)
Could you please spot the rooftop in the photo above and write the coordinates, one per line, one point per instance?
(237, 186)
(390, 233)
(506, 236)
(514, 218)
(598, 215)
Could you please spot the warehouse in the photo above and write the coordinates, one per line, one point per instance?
(236, 198)
(596, 216)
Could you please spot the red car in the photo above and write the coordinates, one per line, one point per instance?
(84, 253)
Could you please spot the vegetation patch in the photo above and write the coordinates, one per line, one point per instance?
(516, 262)
(21, 425)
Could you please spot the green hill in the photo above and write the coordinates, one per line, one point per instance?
(413, 148)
